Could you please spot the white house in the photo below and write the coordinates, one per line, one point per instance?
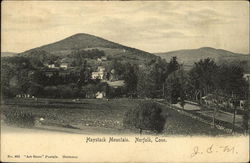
(101, 69)
(95, 75)
(104, 58)
(100, 95)
(246, 76)
(64, 65)
(51, 65)
(99, 74)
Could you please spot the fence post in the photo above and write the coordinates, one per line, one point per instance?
(234, 119)
(214, 117)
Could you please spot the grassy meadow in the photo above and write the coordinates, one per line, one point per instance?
(102, 114)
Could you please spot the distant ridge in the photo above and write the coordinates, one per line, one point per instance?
(190, 56)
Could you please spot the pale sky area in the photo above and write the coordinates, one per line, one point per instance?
(150, 26)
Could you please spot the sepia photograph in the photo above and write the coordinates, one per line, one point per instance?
(125, 81)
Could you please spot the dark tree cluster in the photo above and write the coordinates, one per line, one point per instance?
(146, 116)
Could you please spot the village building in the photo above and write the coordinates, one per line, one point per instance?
(104, 58)
(246, 76)
(100, 95)
(99, 74)
(64, 65)
(51, 65)
(99, 59)
(95, 75)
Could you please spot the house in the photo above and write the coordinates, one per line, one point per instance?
(64, 65)
(246, 76)
(95, 75)
(104, 58)
(101, 68)
(100, 95)
(99, 74)
(51, 65)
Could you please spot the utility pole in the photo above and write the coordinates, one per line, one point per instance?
(214, 110)
(234, 117)
(234, 105)
(163, 89)
(182, 94)
(214, 117)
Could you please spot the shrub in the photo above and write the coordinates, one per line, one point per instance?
(51, 91)
(147, 116)
(19, 118)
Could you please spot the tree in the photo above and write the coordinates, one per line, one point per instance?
(173, 65)
(246, 116)
(8, 71)
(151, 78)
(38, 77)
(15, 70)
(117, 69)
(130, 78)
(51, 91)
(177, 85)
(35, 89)
(84, 75)
(35, 62)
(202, 77)
(147, 116)
(147, 78)
(229, 80)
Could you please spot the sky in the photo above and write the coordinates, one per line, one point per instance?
(154, 26)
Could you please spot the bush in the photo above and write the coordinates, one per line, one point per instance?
(147, 116)
(51, 91)
(19, 118)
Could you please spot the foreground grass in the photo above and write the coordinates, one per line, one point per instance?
(103, 113)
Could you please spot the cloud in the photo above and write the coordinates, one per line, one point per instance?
(206, 17)
(164, 25)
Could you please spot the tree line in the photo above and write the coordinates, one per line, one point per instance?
(157, 78)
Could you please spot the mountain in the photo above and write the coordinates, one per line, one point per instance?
(189, 56)
(8, 54)
(83, 41)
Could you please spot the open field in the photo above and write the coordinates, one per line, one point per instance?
(102, 115)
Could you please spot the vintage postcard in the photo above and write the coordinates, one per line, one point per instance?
(125, 81)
